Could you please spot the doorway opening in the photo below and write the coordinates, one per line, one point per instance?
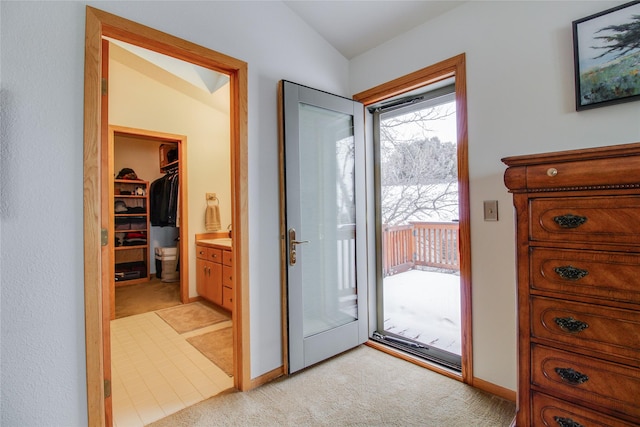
(410, 246)
(417, 192)
(100, 24)
(145, 237)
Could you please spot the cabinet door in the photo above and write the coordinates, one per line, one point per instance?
(201, 276)
(214, 283)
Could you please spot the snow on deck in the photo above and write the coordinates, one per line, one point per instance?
(424, 306)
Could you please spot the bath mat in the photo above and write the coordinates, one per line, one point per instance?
(216, 346)
(189, 317)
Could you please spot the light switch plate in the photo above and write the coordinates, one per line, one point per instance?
(490, 210)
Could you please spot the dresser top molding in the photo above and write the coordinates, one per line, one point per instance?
(610, 167)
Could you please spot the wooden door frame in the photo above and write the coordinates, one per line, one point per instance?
(452, 67)
(98, 24)
(158, 137)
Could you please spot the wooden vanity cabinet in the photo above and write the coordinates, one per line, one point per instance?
(227, 280)
(578, 270)
(214, 275)
(209, 274)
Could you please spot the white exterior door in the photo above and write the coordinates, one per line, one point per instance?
(325, 226)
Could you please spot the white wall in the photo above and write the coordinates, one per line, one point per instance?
(520, 83)
(41, 246)
(138, 100)
(520, 100)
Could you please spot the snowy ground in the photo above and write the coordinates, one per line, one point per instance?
(424, 306)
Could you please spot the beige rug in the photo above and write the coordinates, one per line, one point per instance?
(217, 346)
(362, 387)
(189, 317)
(145, 297)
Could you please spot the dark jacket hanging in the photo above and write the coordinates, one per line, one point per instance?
(163, 198)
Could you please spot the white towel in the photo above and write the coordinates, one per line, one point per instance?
(212, 218)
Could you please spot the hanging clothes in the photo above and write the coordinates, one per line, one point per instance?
(163, 200)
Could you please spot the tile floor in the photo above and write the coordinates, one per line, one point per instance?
(156, 372)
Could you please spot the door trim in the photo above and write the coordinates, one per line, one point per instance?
(452, 67)
(156, 136)
(98, 24)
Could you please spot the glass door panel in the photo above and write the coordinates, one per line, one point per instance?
(327, 205)
(418, 211)
(323, 169)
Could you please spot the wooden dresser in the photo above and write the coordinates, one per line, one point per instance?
(578, 255)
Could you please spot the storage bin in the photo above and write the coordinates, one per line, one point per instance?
(167, 264)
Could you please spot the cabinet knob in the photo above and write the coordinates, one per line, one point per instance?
(569, 272)
(569, 220)
(571, 376)
(552, 172)
(566, 422)
(569, 324)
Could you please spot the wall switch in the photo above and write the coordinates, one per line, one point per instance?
(490, 210)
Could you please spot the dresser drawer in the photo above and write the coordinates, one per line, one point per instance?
(585, 173)
(227, 298)
(201, 252)
(611, 275)
(227, 276)
(608, 385)
(586, 219)
(551, 412)
(214, 255)
(604, 329)
(227, 257)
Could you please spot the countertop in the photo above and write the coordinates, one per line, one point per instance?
(220, 243)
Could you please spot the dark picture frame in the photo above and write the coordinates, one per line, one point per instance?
(606, 49)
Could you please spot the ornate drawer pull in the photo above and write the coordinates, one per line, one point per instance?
(569, 272)
(566, 422)
(569, 324)
(571, 376)
(570, 220)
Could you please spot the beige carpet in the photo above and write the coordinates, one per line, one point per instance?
(216, 346)
(145, 297)
(189, 317)
(363, 387)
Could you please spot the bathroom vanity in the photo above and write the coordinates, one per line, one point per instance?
(214, 271)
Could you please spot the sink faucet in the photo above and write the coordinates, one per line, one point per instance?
(229, 228)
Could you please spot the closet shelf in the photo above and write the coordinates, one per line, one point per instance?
(122, 248)
(170, 166)
(131, 261)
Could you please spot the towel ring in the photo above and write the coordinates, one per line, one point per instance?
(213, 199)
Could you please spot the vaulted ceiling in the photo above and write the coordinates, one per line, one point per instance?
(353, 27)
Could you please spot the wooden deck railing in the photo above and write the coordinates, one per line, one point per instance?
(432, 244)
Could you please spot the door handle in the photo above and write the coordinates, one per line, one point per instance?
(292, 246)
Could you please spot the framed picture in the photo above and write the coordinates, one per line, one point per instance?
(607, 57)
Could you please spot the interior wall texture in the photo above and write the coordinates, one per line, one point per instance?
(520, 98)
(139, 101)
(43, 375)
(520, 84)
